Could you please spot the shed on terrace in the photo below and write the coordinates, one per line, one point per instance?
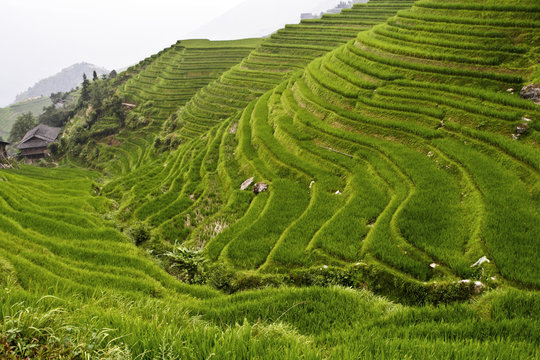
(34, 144)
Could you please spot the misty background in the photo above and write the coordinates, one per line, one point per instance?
(42, 37)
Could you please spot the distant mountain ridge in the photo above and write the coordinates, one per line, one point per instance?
(65, 80)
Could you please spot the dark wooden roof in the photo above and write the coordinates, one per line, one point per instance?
(3, 143)
(40, 136)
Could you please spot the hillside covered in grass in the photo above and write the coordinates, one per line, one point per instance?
(152, 90)
(8, 115)
(401, 218)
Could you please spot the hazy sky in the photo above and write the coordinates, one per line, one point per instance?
(38, 38)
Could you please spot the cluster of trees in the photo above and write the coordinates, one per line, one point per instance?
(98, 94)
(22, 125)
(101, 108)
(100, 97)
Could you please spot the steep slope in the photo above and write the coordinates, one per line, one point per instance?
(409, 137)
(373, 153)
(156, 88)
(448, 104)
(198, 61)
(287, 51)
(179, 194)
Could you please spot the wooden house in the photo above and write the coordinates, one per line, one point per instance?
(3, 152)
(34, 144)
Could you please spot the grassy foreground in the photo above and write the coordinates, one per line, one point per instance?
(74, 287)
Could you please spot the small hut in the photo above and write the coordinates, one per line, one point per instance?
(34, 144)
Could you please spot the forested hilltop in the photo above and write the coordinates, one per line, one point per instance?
(365, 185)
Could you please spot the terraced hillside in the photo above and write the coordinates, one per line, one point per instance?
(178, 195)
(395, 159)
(157, 87)
(276, 59)
(9, 114)
(164, 83)
(373, 153)
(419, 143)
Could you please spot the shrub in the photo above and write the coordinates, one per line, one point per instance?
(221, 277)
(53, 148)
(189, 265)
(139, 233)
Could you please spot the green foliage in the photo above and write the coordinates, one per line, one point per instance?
(188, 265)
(29, 333)
(9, 114)
(139, 233)
(22, 125)
(59, 97)
(85, 92)
(55, 117)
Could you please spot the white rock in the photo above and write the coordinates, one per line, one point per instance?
(338, 192)
(433, 265)
(260, 187)
(247, 183)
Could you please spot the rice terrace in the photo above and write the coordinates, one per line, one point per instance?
(360, 185)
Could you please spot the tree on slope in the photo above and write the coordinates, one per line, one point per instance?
(58, 97)
(22, 125)
(85, 91)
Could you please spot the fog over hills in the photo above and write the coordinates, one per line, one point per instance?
(65, 80)
(104, 38)
(255, 18)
